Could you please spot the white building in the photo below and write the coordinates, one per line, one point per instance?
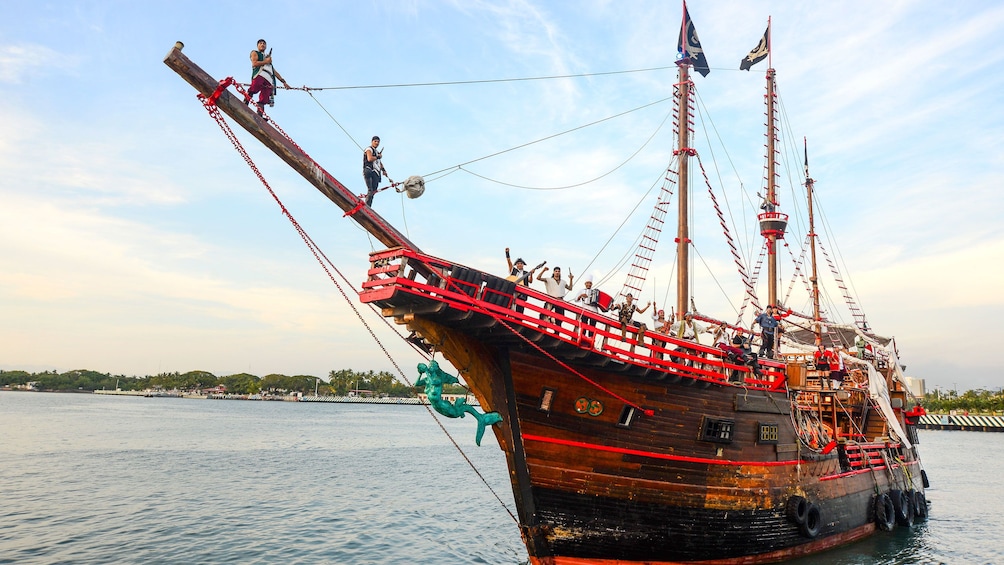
(917, 386)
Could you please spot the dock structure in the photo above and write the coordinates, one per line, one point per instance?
(360, 400)
(961, 423)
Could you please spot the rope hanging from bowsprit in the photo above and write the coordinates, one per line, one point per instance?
(210, 104)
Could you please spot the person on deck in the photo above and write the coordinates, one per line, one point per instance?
(768, 325)
(518, 270)
(739, 353)
(625, 315)
(589, 298)
(864, 349)
(373, 169)
(838, 371)
(518, 273)
(821, 358)
(828, 361)
(721, 336)
(263, 76)
(555, 287)
(660, 323)
(687, 329)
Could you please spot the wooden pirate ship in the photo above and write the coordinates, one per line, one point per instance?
(643, 446)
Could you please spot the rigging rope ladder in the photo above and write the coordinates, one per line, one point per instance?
(649, 240)
(859, 316)
(751, 297)
(798, 273)
(743, 273)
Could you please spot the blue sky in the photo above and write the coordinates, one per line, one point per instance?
(134, 240)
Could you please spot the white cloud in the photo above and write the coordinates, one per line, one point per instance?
(19, 61)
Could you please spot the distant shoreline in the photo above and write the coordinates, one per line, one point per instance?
(414, 401)
(265, 397)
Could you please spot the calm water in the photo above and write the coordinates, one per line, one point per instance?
(96, 479)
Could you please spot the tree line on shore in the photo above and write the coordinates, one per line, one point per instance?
(980, 401)
(338, 383)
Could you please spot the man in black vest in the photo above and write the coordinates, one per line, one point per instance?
(373, 169)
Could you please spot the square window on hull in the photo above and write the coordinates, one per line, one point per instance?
(717, 431)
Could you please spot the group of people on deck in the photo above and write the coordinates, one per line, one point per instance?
(737, 349)
(735, 343)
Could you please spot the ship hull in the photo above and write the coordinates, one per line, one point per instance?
(590, 490)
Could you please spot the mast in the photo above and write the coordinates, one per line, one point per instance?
(683, 182)
(817, 325)
(772, 223)
(287, 151)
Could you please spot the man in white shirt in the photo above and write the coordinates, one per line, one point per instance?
(556, 287)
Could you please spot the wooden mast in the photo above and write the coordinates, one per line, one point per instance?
(772, 223)
(817, 319)
(772, 276)
(683, 178)
(287, 151)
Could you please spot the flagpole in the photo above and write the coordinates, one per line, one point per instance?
(770, 53)
(683, 27)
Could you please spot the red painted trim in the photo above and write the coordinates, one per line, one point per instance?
(653, 455)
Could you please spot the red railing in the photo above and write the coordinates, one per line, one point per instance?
(870, 455)
(465, 289)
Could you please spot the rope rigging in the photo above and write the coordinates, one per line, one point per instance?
(478, 81)
(214, 111)
(748, 281)
(552, 136)
(461, 166)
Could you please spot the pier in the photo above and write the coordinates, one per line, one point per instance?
(961, 423)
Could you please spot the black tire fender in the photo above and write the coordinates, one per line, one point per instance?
(919, 504)
(884, 513)
(797, 508)
(813, 521)
(903, 502)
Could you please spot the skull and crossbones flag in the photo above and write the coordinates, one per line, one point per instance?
(692, 48)
(759, 53)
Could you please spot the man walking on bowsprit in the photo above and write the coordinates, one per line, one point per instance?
(263, 77)
(373, 169)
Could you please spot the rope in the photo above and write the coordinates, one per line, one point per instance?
(743, 273)
(317, 253)
(552, 136)
(578, 184)
(309, 89)
(215, 112)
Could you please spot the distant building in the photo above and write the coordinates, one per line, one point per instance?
(469, 398)
(917, 386)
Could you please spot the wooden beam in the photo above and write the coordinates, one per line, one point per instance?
(269, 137)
